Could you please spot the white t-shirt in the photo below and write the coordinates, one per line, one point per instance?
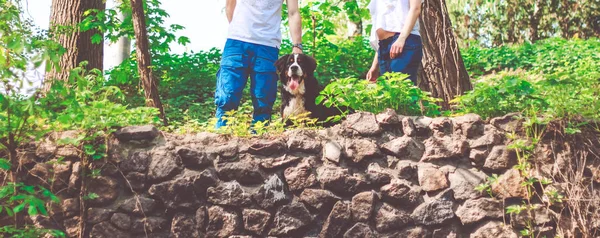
(257, 21)
(389, 15)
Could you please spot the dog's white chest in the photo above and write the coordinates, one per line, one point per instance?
(295, 107)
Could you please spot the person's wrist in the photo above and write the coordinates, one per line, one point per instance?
(299, 46)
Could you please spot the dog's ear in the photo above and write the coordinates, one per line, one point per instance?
(311, 63)
(281, 62)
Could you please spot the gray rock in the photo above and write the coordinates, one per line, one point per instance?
(138, 161)
(70, 207)
(478, 156)
(105, 188)
(184, 226)
(290, 219)
(432, 179)
(194, 158)
(435, 212)
(201, 219)
(407, 170)
(408, 126)
(256, 221)
(411, 232)
(136, 180)
(389, 218)
(106, 230)
(440, 148)
(147, 132)
(121, 220)
(491, 136)
(281, 161)
(221, 222)
(401, 192)
(362, 206)
(138, 205)
(509, 185)
(163, 165)
(271, 194)
(493, 229)
(72, 227)
(245, 170)
(539, 216)
(463, 182)
(149, 224)
(363, 123)
(337, 220)
(476, 210)
(388, 117)
(97, 215)
(184, 191)
(508, 123)
(304, 141)
(229, 194)
(75, 178)
(300, 177)
(500, 158)
(359, 230)
(404, 148)
(360, 149)
(340, 181)
(469, 125)
(268, 147)
(320, 199)
(332, 151)
(441, 126)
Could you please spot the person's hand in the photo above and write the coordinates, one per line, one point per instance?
(373, 74)
(397, 48)
(296, 50)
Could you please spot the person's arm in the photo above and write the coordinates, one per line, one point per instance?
(229, 7)
(411, 20)
(373, 73)
(295, 21)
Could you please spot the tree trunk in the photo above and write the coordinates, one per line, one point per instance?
(534, 25)
(443, 72)
(123, 45)
(143, 58)
(79, 47)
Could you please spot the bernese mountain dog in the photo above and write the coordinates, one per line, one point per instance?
(299, 88)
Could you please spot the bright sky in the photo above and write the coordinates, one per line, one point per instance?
(204, 20)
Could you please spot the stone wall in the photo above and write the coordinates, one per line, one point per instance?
(372, 176)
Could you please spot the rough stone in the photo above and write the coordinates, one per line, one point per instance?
(72, 228)
(46, 148)
(138, 205)
(363, 123)
(121, 220)
(432, 179)
(75, 178)
(105, 188)
(405, 148)
(508, 122)
(440, 148)
(478, 156)
(290, 219)
(221, 222)
(389, 218)
(509, 185)
(149, 224)
(494, 229)
(300, 177)
(304, 141)
(388, 117)
(332, 151)
(136, 180)
(360, 149)
(282, 161)
(407, 170)
(184, 191)
(401, 192)
(147, 132)
(469, 125)
(476, 210)
(163, 165)
(500, 158)
(362, 206)
(337, 220)
(378, 176)
(268, 147)
(137, 162)
(97, 215)
(359, 230)
(271, 194)
(70, 207)
(201, 218)
(184, 226)
(412, 232)
(229, 194)
(194, 158)
(245, 170)
(339, 180)
(228, 150)
(463, 182)
(435, 212)
(441, 126)
(321, 200)
(106, 230)
(490, 137)
(256, 221)
(539, 215)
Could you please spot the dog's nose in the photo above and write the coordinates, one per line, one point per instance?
(294, 68)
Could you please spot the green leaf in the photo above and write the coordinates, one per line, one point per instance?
(97, 39)
(4, 164)
(19, 208)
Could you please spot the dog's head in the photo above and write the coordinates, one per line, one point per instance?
(293, 70)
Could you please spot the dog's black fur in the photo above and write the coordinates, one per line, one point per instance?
(304, 76)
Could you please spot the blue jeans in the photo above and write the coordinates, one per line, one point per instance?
(409, 60)
(240, 60)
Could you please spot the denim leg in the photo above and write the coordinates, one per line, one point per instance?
(231, 80)
(409, 60)
(263, 85)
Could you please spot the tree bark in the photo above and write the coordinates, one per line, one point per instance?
(443, 71)
(534, 25)
(123, 45)
(143, 58)
(67, 14)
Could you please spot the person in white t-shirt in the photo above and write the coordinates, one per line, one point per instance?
(395, 37)
(251, 49)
